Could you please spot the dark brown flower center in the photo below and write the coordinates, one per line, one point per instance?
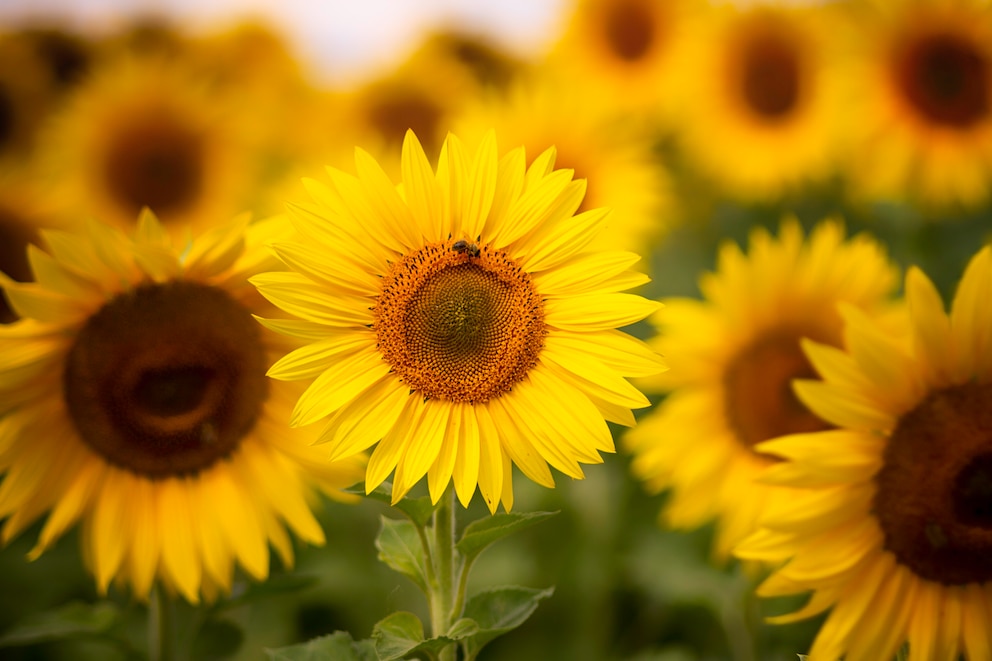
(934, 491)
(459, 321)
(66, 56)
(758, 397)
(945, 79)
(630, 29)
(156, 162)
(166, 379)
(399, 110)
(770, 75)
(8, 119)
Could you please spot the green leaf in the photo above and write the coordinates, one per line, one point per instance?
(419, 510)
(217, 639)
(336, 647)
(278, 584)
(400, 547)
(402, 634)
(74, 619)
(483, 532)
(499, 610)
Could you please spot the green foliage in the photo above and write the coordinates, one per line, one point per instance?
(402, 634)
(400, 547)
(276, 585)
(481, 533)
(498, 611)
(419, 510)
(336, 647)
(73, 619)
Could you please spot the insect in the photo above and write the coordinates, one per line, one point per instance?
(464, 246)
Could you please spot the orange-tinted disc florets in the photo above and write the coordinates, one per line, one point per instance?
(459, 321)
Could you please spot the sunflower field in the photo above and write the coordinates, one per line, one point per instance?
(686, 314)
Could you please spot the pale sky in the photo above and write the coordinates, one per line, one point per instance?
(343, 39)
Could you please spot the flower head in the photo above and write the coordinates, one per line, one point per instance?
(462, 320)
(734, 355)
(890, 524)
(924, 75)
(133, 398)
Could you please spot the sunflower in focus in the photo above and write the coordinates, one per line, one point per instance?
(460, 322)
(762, 84)
(734, 356)
(891, 526)
(625, 49)
(924, 127)
(137, 363)
(617, 162)
(147, 132)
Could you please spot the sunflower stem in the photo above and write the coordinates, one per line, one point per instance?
(443, 592)
(161, 626)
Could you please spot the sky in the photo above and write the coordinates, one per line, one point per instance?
(342, 40)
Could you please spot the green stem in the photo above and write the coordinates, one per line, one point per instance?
(443, 593)
(161, 627)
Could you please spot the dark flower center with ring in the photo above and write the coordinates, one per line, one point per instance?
(770, 79)
(156, 162)
(946, 79)
(934, 490)
(166, 379)
(459, 321)
(630, 29)
(759, 401)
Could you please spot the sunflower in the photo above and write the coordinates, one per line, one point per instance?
(25, 100)
(924, 118)
(733, 357)
(461, 320)
(618, 164)
(762, 83)
(138, 365)
(22, 216)
(891, 526)
(625, 50)
(150, 132)
(419, 95)
(491, 64)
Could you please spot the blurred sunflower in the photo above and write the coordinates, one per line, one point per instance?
(625, 49)
(147, 132)
(137, 364)
(761, 83)
(924, 122)
(460, 320)
(491, 65)
(25, 100)
(890, 525)
(419, 95)
(734, 356)
(617, 162)
(21, 218)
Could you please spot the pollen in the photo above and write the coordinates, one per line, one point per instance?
(461, 325)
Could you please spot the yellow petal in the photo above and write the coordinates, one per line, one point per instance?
(597, 312)
(339, 384)
(180, 557)
(308, 361)
(468, 457)
(421, 190)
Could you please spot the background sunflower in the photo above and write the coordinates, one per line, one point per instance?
(627, 589)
